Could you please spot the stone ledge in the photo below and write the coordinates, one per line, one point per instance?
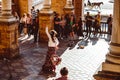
(113, 59)
(111, 67)
(105, 75)
(115, 44)
(46, 12)
(7, 20)
(68, 8)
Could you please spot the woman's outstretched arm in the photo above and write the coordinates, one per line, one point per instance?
(46, 30)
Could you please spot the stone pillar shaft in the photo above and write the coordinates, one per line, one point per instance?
(45, 20)
(79, 9)
(115, 39)
(111, 67)
(25, 6)
(58, 6)
(116, 23)
(8, 32)
(6, 7)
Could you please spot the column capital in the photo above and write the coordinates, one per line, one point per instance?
(69, 5)
(6, 15)
(46, 8)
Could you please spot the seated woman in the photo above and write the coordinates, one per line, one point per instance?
(64, 74)
(51, 59)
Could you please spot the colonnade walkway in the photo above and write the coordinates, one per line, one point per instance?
(81, 63)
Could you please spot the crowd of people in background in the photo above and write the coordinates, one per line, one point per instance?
(29, 23)
(65, 26)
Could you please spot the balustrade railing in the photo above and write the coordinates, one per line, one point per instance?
(103, 27)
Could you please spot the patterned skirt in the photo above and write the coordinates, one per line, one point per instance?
(48, 66)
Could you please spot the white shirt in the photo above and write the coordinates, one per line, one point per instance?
(50, 42)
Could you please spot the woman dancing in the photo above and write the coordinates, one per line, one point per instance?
(52, 59)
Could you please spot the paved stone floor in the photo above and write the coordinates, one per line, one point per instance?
(81, 63)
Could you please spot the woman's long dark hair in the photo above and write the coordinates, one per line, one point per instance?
(52, 33)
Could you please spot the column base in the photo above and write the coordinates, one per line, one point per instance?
(109, 72)
(8, 18)
(9, 47)
(104, 75)
(9, 53)
(111, 67)
(68, 10)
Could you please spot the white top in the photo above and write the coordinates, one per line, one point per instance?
(50, 42)
(23, 20)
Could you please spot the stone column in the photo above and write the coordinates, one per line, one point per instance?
(8, 32)
(111, 67)
(69, 8)
(45, 19)
(58, 6)
(79, 9)
(25, 6)
(6, 7)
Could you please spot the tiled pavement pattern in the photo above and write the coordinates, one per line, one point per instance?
(82, 63)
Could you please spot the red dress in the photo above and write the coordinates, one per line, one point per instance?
(48, 66)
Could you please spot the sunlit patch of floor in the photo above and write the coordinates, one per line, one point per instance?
(25, 38)
(83, 63)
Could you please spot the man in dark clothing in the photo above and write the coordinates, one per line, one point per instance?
(57, 25)
(67, 18)
(88, 19)
(36, 27)
(89, 3)
(109, 22)
(33, 13)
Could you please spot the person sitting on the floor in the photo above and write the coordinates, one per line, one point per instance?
(64, 74)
